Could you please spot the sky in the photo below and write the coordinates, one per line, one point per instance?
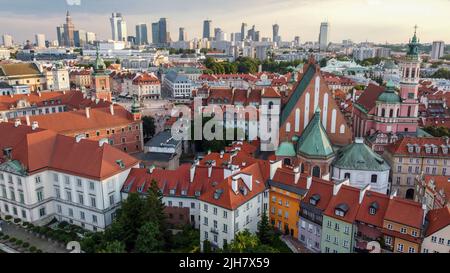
(359, 20)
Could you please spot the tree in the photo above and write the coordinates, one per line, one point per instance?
(207, 246)
(114, 247)
(244, 242)
(265, 231)
(441, 73)
(149, 238)
(148, 126)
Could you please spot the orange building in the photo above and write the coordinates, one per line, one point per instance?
(287, 188)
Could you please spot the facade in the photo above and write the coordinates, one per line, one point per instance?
(312, 207)
(433, 191)
(362, 166)
(57, 78)
(178, 85)
(141, 34)
(437, 233)
(339, 228)
(412, 156)
(403, 226)
(437, 50)
(74, 180)
(146, 86)
(163, 151)
(207, 29)
(324, 36)
(310, 93)
(118, 27)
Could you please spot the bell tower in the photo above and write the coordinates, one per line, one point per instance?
(100, 78)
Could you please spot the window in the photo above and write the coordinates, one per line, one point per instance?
(82, 216)
(388, 240)
(215, 211)
(69, 196)
(225, 228)
(411, 250)
(40, 195)
(372, 211)
(347, 230)
(373, 178)
(345, 243)
(389, 226)
(70, 212)
(91, 185)
(37, 179)
(205, 207)
(79, 182)
(347, 176)
(225, 214)
(111, 200)
(192, 205)
(205, 221)
(400, 247)
(414, 233)
(433, 239)
(59, 208)
(441, 241)
(328, 238)
(206, 235)
(403, 230)
(329, 224)
(93, 202)
(94, 218)
(67, 180)
(42, 212)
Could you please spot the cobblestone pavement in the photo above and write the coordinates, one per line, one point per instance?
(21, 233)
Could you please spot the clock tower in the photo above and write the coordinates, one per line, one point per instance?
(100, 78)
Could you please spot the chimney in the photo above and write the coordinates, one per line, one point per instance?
(425, 211)
(151, 169)
(79, 137)
(274, 166)
(362, 192)
(248, 180)
(234, 183)
(308, 182)
(102, 141)
(192, 172)
(27, 118)
(222, 153)
(17, 122)
(338, 184)
(34, 125)
(111, 109)
(39, 94)
(393, 194)
(296, 174)
(88, 112)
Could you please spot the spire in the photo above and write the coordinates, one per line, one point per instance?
(414, 44)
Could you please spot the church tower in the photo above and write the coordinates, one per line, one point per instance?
(102, 89)
(409, 85)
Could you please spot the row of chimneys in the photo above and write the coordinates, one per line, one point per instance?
(88, 111)
(34, 125)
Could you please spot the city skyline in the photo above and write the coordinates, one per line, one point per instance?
(399, 17)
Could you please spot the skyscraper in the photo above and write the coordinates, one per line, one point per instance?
(141, 34)
(7, 40)
(60, 35)
(79, 38)
(243, 31)
(207, 29)
(182, 34)
(90, 37)
(275, 33)
(40, 40)
(118, 27)
(163, 34)
(323, 36)
(437, 50)
(68, 31)
(155, 33)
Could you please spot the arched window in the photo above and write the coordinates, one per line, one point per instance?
(383, 112)
(409, 194)
(347, 175)
(398, 112)
(302, 168)
(409, 111)
(342, 129)
(297, 120)
(391, 113)
(288, 127)
(270, 105)
(316, 171)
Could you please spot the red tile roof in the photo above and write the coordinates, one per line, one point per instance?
(373, 199)
(405, 212)
(324, 189)
(348, 196)
(437, 220)
(44, 149)
(400, 147)
(369, 96)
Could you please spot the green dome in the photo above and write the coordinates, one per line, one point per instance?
(99, 65)
(286, 149)
(359, 156)
(389, 95)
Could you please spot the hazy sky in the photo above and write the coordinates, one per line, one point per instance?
(359, 20)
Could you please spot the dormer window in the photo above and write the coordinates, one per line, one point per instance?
(435, 149)
(427, 149)
(172, 192)
(417, 148)
(444, 149)
(373, 208)
(183, 192)
(314, 199)
(341, 210)
(410, 148)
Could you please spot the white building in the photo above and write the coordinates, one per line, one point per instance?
(73, 179)
(362, 53)
(118, 27)
(40, 40)
(5, 54)
(437, 50)
(324, 36)
(7, 40)
(178, 84)
(57, 78)
(362, 166)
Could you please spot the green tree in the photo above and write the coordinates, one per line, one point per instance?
(244, 242)
(149, 238)
(114, 247)
(148, 126)
(265, 231)
(441, 73)
(207, 248)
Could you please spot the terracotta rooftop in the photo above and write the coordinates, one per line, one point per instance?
(405, 212)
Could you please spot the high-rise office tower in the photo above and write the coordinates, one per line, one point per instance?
(257, 36)
(60, 35)
(79, 37)
(40, 40)
(207, 29)
(251, 34)
(437, 50)
(141, 34)
(275, 33)
(163, 34)
(323, 36)
(155, 33)
(7, 40)
(91, 37)
(68, 31)
(243, 31)
(297, 40)
(182, 34)
(118, 27)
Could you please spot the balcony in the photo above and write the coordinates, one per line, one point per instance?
(214, 230)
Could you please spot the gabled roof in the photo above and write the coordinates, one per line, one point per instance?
(369, 97)
(437, 220)
(405, 212)
(359, 156)
(19, 69)
(285, 179)
(314, 141)
(286, 149)
(322, 191)
(297, 93)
